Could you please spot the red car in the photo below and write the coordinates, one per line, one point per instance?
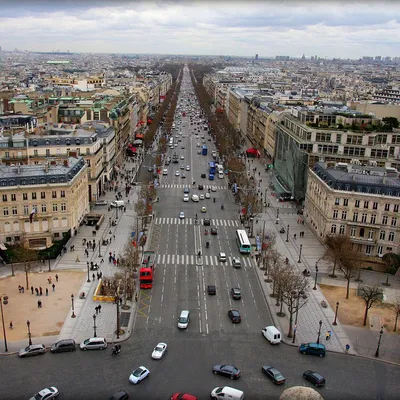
(183, 396)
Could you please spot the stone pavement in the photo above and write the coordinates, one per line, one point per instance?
(309, 251)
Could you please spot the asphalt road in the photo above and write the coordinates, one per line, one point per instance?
(210, 338)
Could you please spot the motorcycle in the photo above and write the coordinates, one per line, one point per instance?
(282, 230)
(207, 245)
(222, 207)
(116, 350)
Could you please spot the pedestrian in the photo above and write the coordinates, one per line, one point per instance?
(22, 289)
(11, 325)
(39, 304)
(56, 278)
(93, 275)
(37, 291)
(136, 297)
(32, 289)
(40, 290)
(120, 301)
(47, 292)
(347, 348)
(99, 307)
(77, 259)
(114, 240)
(102, 260)
(98, 275)
(101, 274)
(96, 309)
(327, 335)
(294, 236)
(49, 280)
(53, 286)
(19, 288)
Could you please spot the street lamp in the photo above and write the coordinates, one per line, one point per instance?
(337, 307)
(88, 278)
(277, 216)
(287, 234)
(294, 333)
(48, 258)
(319, 331)
(99, 248)
(301, 248)
(118, 319)
(4, 299)
(29, 332)
(94, 325)
(379, 342)
(316, 276)
(73, 311)
(116, 211)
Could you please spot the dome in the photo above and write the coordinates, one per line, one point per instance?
(300, 393)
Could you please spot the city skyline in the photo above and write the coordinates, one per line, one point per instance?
(328, 30)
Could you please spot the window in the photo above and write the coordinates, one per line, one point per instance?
(335, 214)
(366, 204)
(384, 220)
(54, 194)
(35, 153)
(346, 202)
(396, 208)
(26, 209)
(87, 151)
(63, 206)
(15, 210)
(391, 237)
(62, 193)
(5, 211)
(394, 221)
(344, 215)
(357, 203)
(368, 249)
(44, 208)
(375, 205)
(364, 218)
(47, 152)
(337, 201)
(55, 207)
(387, 207)
(341, 229)
(33, 195)
(42, 195)
(355, 217)
(382, 235)
(371, 234)
(333, 228)
(25, 196)
(353, 231)
(373, 219)
(4, 197)
(379, 251)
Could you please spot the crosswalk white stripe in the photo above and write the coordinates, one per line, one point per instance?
(168, 258)
(173, 258)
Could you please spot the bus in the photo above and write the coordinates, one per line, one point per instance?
(204, 151)
(146, 272)
(171, 143)
(243, 241)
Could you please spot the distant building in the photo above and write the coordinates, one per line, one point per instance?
(256, 58)
(359, 202)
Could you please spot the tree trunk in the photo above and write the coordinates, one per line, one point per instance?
(366, 314)
(290, 332)
(280, 311)
(26, 277)
(334, 269)
(348, 288)
(12, 270)
(395, 322)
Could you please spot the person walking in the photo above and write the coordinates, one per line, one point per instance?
(327, 335)
(47, 292)
(93, 275)
(99, 308)
(40, 291)
(32, 289)
(54, 287)
(11, 325)
(56, 278)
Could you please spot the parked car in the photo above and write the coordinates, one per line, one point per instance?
(63, 345)
(46, 394)
(226, 370)
(314, 349)
(273, 374)
(183, 396)
(234, 316)
(32, 350)
(121, 395)
(138, 375)
(94, 343)
(314, 377)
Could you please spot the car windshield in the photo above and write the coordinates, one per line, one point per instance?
(87, 341)
(158, 348)
(38, 396)
(137, 372)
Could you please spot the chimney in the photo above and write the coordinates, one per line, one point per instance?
(66, 163)
(46, 167)
(19, 169)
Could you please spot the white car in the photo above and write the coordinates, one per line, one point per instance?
(159, 351)
(203, 209)
(181, 215)
(46, 394)
(182, 157)
(185, 197)
(213, 189)
(202, 197)
(138, 375)
(187, 167)
(208, 196)
(177, 173)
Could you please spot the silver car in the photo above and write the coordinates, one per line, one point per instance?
(32, 350)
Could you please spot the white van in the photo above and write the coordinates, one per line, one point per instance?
(117, 203)
(195, 197)
(165, 171)
(220, 175)
(271, 334)
(183, 320)
(226, 392)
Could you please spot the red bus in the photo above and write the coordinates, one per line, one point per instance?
(146, 273)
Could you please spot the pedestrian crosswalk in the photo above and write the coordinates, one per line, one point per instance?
(181, 186)
(191, 221)
(190, 259)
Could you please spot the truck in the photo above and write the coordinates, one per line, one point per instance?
(146, 272)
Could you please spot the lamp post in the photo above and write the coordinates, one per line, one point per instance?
(379, 342)
(48, 259)
(287, 234)
(319, 331)
(94, 325)
(277, 216)
(99, 248)
(116, 211)
(294, 333)
(337, 307)
(118, 320)
(88, 278)
(29, 332)
(72, 304)
(5, 300)
(301, 248)
(316, 276)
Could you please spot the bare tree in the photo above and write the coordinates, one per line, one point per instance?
(371, 295)
(271, 259)
(396, 308)
(334, 246)
(26, 257)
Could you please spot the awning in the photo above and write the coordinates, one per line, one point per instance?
(253, 151)
(139, 136)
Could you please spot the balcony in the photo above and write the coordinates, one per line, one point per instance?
(361, 240)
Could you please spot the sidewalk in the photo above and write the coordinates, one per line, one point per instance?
(309, 251)
(82, 326)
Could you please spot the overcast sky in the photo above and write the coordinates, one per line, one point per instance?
(345, 29)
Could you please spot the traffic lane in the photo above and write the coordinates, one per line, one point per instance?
(170, 203)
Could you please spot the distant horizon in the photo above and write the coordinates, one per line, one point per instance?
(327, 29)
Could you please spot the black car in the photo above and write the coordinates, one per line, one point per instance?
(200, 187)
(234, 315)
(214, 231)
(186, 189)
(236, 294)
(63, 346)
(121, 395)
(206, 222)
(314, 377)
(211, 290)
(226, 370)
(273, 374)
